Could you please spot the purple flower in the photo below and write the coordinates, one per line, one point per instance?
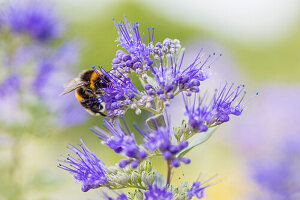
(132, 41)
(160, 139)
(118, 94)
(87, 168)
(158, 193)
(138, 60)
(224, 103)
(168, 47)
(198, 189)
(33, 18)
(126, 63)
(121, 142)
(173, 78)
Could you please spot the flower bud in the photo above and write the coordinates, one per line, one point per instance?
(135, 178)
(138, 111)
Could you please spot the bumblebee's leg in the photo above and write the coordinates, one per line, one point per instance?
(102, 114)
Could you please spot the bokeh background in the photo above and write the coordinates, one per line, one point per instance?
(255, 156)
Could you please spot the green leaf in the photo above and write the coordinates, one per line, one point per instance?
(160, 180)
(151, 81)
(196, 140)
(157, 120)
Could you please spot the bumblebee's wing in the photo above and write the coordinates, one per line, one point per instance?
(72, 85)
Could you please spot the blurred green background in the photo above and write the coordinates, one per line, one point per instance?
(266, 56)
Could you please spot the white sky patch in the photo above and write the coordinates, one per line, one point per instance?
(243, 20)
(247, 21)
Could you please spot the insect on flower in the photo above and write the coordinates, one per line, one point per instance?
(162, 78)
(87, 90)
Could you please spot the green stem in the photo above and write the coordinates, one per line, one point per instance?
(169, 173)
(177, 93)
(162, 107)
(149, 109)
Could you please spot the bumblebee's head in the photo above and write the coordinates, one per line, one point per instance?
(86, 75)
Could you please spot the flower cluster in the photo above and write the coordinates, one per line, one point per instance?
(122, 142)
(159, 139)
(163, 75)
(224, 103)
(131, 40)
(168, 47)
(158, 193)
(88, 169)
(171, 78)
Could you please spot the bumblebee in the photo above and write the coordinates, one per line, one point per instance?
(86, 87)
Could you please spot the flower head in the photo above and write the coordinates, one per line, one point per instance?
(158, 193)
(160, 139)
(168, 47)
(121, 142)
(33, 18)
(138, 57)
(198, 189)
(87, 168)
(131, 40)
(171, 77)
(224, 103)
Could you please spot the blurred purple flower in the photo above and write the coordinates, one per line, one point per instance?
(24, 54)
(11, 112)
(34, 18)
(278, 175)
(10, 85)
(50, 76)
(87, 168)
(1, 20)
(270, 129)
(275, 126)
